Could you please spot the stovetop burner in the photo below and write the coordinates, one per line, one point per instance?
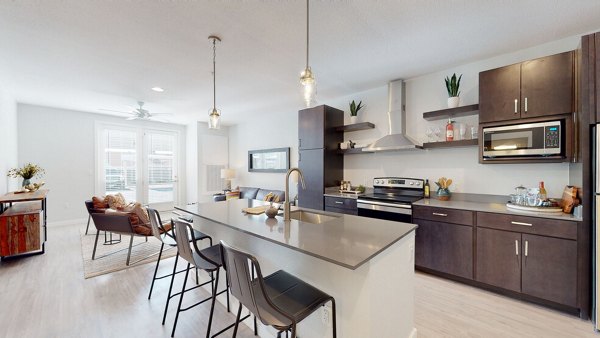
(396, 190)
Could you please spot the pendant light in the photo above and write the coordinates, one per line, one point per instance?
(307, 78)
(214, 116)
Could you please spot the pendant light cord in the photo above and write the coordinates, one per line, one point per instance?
(214, 74)
(307, 32)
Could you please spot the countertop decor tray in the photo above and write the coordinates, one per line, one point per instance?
(512, 206)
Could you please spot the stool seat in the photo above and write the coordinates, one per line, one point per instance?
(213, 254)
(291, 295)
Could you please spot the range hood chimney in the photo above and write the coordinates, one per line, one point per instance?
(396, 138)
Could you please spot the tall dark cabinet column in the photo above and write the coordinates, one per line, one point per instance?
(318, 159)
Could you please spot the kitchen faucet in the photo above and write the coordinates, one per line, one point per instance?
(286, 203)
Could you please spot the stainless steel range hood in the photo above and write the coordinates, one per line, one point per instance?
(396, 138)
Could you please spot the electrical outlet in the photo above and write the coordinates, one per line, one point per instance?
(326, 315)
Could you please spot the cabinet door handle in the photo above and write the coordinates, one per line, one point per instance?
(338, 202)
(517, 247)
(526, 248)
(521, 223)
(438, 214)
(299, 143)
(526, 105)
(516, 105)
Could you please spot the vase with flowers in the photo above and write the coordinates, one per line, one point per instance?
(443, 193)
(28, 172)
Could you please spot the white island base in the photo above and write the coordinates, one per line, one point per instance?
(376, 300)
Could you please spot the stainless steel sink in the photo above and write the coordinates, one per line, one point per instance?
(310, 217)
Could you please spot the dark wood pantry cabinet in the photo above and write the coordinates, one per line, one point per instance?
(318, 159)
(534, 88)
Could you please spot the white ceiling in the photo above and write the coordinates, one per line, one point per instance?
(87, 55)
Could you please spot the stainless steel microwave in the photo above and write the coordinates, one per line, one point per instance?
(540, 139)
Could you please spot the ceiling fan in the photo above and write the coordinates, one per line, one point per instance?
(140, 113)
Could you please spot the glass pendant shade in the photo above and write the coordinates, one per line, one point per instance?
(214, 119)
(307, 80)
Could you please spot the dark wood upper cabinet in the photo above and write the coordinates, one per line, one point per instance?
(311, 126)
(547, 86)
(548, 270)
(534, 88)
(499, 93)
(499, 258)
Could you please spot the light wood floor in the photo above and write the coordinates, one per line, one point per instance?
(46, 296)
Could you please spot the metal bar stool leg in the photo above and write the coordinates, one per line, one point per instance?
(170, 288)
(333, 314)
(212, 307)
(162, 245)
(237, 320)
(187, 272)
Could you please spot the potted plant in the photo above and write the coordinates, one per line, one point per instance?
(27, 172)
(452, 85)
(354, 108)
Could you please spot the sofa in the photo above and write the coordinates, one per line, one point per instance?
(254, 194)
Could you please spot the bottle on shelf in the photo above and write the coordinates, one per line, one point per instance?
(427, 189)
(450, 131)
(543, 193)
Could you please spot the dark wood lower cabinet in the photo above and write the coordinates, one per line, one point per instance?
(549, 270)
(498, 258)
(444, 247)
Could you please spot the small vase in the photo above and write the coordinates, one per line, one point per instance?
(443, 194)
(453, 102)
(353, 119)
(26, 181)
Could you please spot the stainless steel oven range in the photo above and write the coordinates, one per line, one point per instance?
(391, 199)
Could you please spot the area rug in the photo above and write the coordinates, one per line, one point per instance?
(111, 258)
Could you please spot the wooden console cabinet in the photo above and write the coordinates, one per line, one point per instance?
(23, 224)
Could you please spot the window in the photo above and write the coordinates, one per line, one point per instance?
(139, 163)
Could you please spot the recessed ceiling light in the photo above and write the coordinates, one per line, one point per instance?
(158, 89)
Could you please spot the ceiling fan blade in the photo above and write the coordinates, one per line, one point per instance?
(162, 114)
(131, 118)
(115, 111)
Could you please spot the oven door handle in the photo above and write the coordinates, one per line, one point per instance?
(393, 205)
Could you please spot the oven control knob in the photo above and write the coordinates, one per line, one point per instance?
(412, 183)
(376, 181)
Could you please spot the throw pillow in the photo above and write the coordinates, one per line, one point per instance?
(116, 201)
(100, 202)
(268, 197)
(232, 195)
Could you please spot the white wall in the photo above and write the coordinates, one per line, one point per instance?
(424, 93)
(63, 143)
(8, 141)
(279, 130)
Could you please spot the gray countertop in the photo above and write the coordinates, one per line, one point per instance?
(488, 203)
(346, 240)
(335, 192)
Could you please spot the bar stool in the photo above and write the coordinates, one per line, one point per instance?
(166, 238)
(208, 259)
(279, 300)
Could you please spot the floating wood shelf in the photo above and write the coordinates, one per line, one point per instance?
(353, 151)
(450, 144)
(452, 112)
(355, 127)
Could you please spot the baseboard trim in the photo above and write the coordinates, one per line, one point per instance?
(68, 222)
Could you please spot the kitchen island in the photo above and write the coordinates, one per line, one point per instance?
(366, 264)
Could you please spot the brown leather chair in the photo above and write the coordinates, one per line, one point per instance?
(279, 300)
(118, 223)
